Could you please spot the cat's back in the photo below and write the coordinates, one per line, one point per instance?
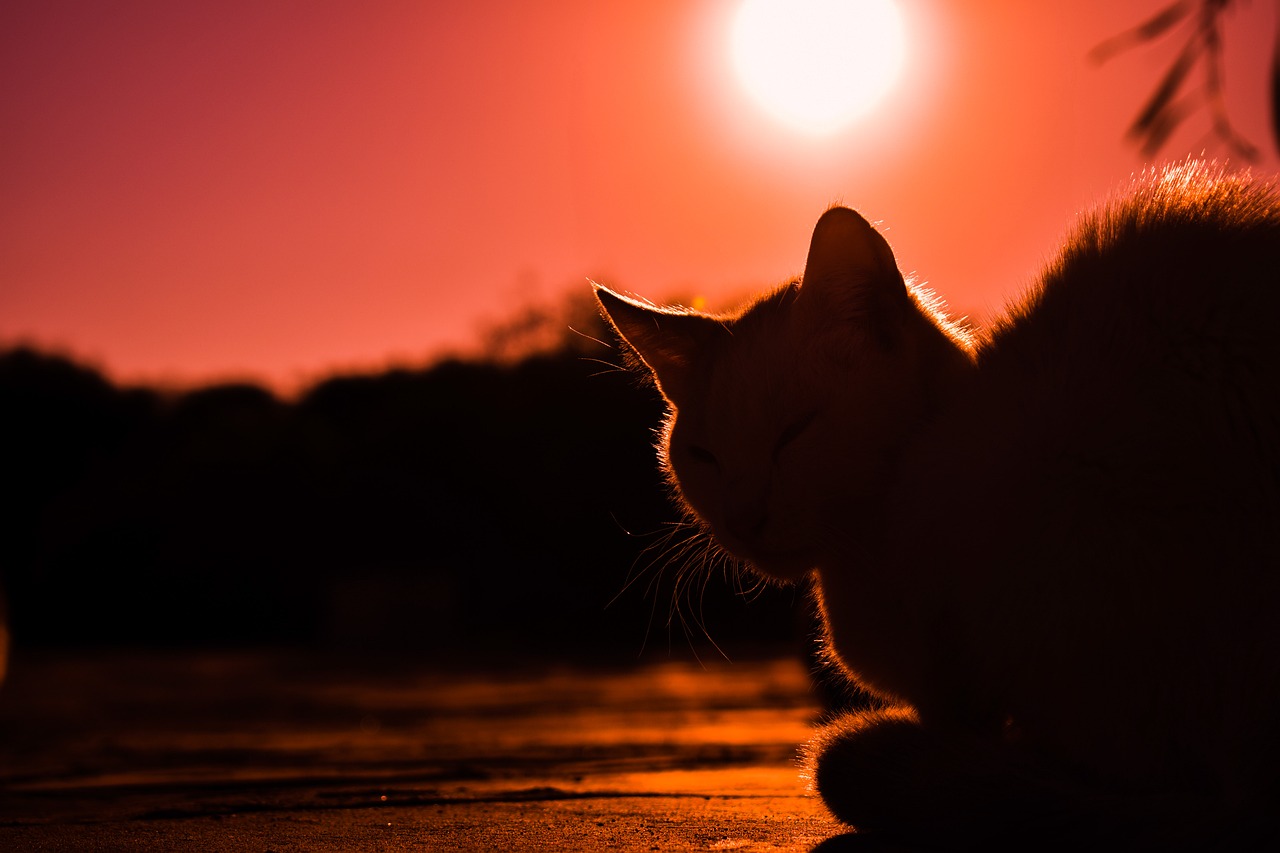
(1151, 341)
(1124, 422)
(1180, 277)
(1115, 462)
(1146, 365)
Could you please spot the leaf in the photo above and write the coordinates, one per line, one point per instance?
(1275, 93)
(1164, 20)
(1163, 126)
(1168, 88)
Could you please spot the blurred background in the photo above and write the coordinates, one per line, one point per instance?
(476, 509)
(296, 342)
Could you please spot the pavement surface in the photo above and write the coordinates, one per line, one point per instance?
(280, 752)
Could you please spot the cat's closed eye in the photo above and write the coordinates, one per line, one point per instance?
(701, 454)
(792, 432)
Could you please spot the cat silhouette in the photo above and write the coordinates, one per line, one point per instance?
(1050, 549)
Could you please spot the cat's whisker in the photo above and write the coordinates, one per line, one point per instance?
(681, 590)
(696, 557)
(648, 627)
(613, 368)
(634, 574)
(672, 546)
(688, 638)
(759, 585)
(677, 553)
(686, 547)
(704, 571)
(684, 588)
(582, 334)
(684, 560)
(670, 557)
(710, 553)
(664, 564)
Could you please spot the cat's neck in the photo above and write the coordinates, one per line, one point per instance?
(944, 367)
(936, 373)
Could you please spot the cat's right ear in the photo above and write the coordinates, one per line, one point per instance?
(851, 277)
(666, 341)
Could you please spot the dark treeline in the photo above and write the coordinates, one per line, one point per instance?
(478, 506)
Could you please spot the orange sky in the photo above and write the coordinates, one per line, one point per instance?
(204, 190)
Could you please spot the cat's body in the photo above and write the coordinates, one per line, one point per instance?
(1054, 552)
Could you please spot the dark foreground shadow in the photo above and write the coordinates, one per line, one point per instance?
(851, 842)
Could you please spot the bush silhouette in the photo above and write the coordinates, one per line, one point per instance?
(480, 507)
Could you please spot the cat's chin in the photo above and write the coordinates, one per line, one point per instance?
(783, 568)
(779, 565)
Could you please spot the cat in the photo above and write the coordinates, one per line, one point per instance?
(1051, 549)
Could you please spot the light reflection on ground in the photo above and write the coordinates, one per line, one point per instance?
(116, 744)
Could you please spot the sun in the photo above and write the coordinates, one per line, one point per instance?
(817, 65)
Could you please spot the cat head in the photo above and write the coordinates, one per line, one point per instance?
(785, 414)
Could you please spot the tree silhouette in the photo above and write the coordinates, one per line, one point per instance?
(472, 508)
(1175, 99)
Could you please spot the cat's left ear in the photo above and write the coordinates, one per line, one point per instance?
(851, 276)
(668, 342)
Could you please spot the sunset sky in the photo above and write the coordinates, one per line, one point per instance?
(197, 191)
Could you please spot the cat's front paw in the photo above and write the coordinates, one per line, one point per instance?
(867, 765)
(893, 778)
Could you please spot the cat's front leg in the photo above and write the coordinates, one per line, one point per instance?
(869, 766)
(889, 775)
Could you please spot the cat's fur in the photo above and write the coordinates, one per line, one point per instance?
(1052, 549)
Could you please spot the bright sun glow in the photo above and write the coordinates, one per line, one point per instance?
(817, 64)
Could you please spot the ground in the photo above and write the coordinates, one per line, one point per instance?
(283, 752)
